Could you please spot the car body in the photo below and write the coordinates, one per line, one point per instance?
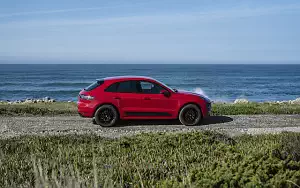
(138, 97)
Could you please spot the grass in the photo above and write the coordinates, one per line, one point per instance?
(197, 159)
(57, 108)
(64, 108)
(255, 108)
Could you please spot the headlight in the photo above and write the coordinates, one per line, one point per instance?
(86, 97)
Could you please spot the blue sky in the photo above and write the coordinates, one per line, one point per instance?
(162, 31)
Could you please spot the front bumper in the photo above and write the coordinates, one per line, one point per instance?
(208, 107)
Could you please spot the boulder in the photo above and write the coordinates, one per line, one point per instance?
(51, 100)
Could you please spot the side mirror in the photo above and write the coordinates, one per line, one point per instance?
(165, 93)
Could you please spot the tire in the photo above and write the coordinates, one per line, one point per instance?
(106, 116)
(190, 115)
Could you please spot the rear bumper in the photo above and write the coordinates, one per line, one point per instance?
(85, 109)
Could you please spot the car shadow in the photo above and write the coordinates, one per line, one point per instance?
(216, 120)
(207, 121)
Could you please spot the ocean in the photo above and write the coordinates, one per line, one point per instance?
(218, 81)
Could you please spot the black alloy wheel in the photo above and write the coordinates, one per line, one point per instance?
(190, 115)
(106, 116)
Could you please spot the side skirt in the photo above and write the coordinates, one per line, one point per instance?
(140, 114)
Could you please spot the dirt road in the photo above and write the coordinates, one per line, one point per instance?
(61, 125)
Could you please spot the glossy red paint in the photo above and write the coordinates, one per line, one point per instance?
(139, 105)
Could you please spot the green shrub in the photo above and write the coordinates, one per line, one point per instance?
(255, 108)
(65, 108)
(197, 159)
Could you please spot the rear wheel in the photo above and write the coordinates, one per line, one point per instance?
(106, 116)
(190, 115)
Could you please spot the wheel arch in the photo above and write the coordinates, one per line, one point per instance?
(182, 106)
(98, 106)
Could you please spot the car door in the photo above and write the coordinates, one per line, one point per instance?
(154, 104)
(126, 97)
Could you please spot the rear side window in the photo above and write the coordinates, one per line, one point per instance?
(123, 87)
(94, 85)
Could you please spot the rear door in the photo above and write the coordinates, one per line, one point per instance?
(126, 97)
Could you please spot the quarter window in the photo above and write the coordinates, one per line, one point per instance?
(112, 88)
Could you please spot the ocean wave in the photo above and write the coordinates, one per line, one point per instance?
(65, 84)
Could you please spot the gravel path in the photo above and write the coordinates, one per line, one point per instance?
(61, 125)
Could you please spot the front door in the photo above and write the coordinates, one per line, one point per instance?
(153, 103)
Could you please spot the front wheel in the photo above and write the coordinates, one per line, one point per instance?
(190, 115)
(106, 116)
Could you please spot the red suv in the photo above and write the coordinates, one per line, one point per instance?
(135, 97)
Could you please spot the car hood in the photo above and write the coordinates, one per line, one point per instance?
(196, 94)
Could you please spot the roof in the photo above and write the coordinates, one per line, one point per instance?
(128, 77)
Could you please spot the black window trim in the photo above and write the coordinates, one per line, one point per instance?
(118, 82)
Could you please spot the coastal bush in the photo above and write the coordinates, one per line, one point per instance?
(38, 109)
(255, 108)
(196, 159)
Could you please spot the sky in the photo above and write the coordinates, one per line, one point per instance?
(156, 31)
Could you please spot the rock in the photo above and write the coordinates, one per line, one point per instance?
(51, 100)
(241, 101)
(69, 101)
(47, 98)
(28, 101)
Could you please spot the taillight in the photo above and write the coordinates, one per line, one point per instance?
(86, 97)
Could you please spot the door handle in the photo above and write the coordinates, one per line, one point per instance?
(118, 98)
(147, 98)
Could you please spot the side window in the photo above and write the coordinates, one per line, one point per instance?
(151, 88)
(123, 87)
(112, 88)
(127, 87)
